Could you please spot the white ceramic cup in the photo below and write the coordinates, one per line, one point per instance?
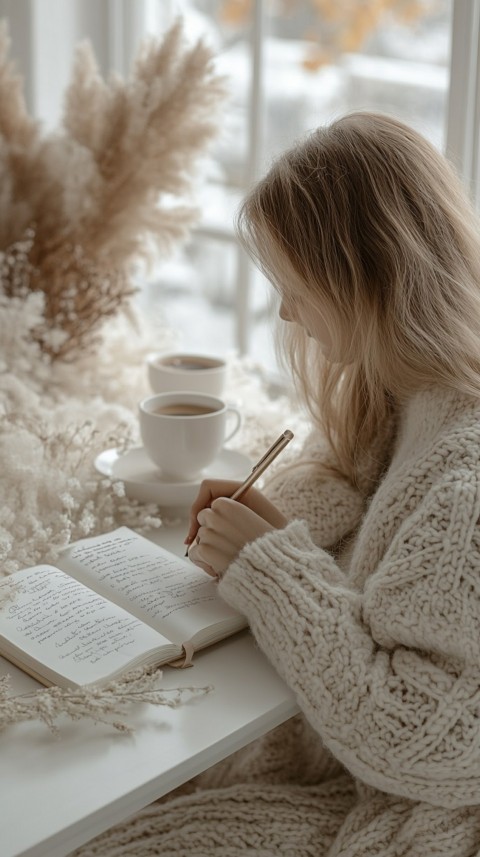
(200, 373)
(183, 432)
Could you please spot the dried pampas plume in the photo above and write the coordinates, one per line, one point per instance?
(85, 203)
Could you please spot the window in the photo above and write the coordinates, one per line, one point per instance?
(291, 65)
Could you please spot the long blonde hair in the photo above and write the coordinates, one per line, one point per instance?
(367, 221)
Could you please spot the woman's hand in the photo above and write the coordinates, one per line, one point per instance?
(211, 489)
(224, 530)
(221, 527)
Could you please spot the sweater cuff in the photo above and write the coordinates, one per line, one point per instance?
(275, 559)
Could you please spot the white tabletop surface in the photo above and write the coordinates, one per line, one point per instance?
(57, 792)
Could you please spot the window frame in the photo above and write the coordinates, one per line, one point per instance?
(462, 139)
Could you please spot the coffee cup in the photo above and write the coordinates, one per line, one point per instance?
(200, 373)
(184, 431)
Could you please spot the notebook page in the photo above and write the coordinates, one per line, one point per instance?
(162, 589)
(78, 634)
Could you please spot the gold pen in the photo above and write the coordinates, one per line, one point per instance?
(260, 467)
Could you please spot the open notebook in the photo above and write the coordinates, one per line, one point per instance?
(114, 602)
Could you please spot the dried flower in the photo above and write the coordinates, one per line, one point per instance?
(80, 207)
(101, 704)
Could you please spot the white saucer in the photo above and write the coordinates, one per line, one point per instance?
(143, 480)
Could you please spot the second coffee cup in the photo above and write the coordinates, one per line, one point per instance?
(199, 373)
(183, 432)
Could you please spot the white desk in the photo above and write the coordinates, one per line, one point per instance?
(56, 793)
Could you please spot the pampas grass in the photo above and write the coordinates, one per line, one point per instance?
(87, 202)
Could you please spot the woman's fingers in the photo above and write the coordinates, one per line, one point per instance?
(239, 524)
(209, 490)
(213, 489)
(224, 529)
(258, 503)
(209, 557)
(193, 553)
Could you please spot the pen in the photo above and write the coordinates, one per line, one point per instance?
(261, 465)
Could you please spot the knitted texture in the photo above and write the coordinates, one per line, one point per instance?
(292, 752)
(332, 507)
(385, 659)
(262, 821)
(383, 652)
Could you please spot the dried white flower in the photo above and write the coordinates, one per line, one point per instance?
(100, 704)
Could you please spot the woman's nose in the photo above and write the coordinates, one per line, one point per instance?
(284, 313)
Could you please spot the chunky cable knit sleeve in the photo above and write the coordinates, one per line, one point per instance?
(304, 489)
(389, 677)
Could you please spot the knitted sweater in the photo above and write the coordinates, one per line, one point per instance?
(385, 656)
(382, 648)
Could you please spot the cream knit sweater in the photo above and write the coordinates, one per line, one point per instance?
(382, 651)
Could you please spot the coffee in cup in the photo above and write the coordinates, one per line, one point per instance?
(198, 373)
(184, 431)
(182, 409)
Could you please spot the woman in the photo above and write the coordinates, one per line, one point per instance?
(359, 568)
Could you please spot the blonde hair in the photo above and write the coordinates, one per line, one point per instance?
(365, 220)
